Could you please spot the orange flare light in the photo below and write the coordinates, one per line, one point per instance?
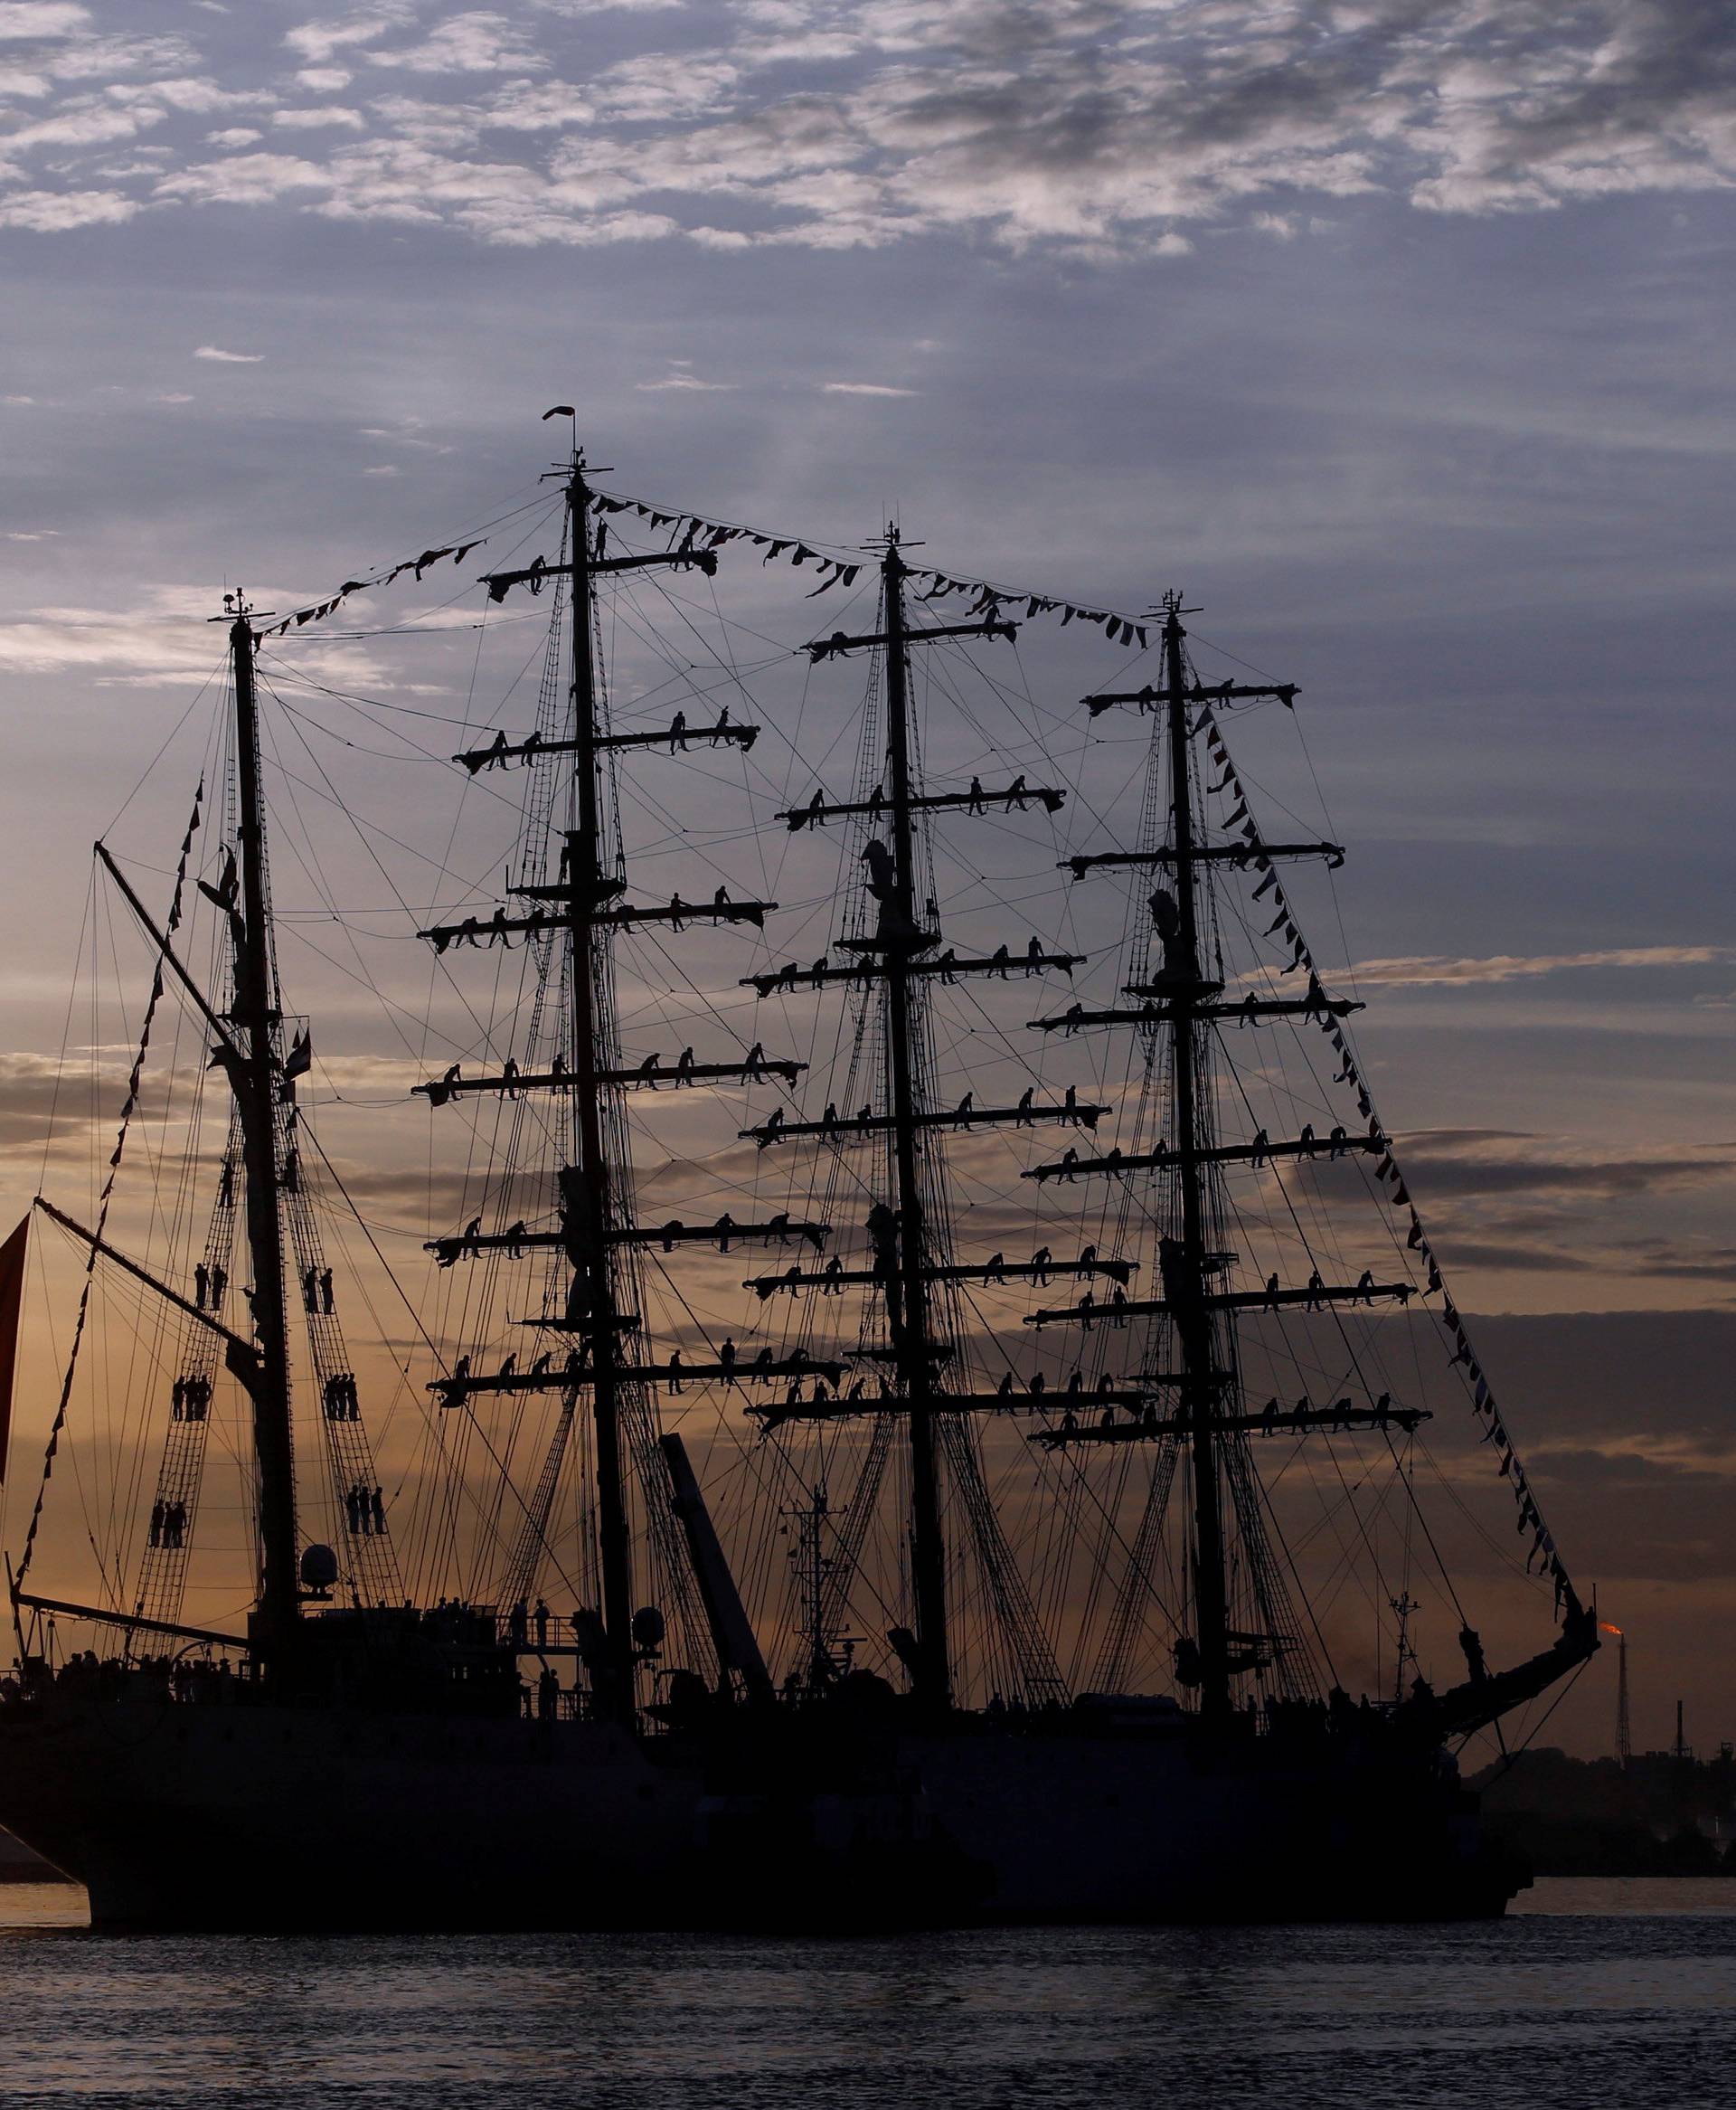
(1604, 1627)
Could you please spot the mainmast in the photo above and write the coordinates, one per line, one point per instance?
(254, 1082)
(903, 952)
(1183, 1271)
(586, 1187)
(913, 1356)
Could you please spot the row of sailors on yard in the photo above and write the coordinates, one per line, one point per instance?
(765, 1364)
(1273, 1415)
(830, 1276)
(1307, 1145)
(1018, 793)
(1315, 1004)
(499, 929)
(963, 1114)
(1339, 1416)
(650, 1070)
(1000, 962)
(501, 750)
(781, 1228)
(1316, 1297)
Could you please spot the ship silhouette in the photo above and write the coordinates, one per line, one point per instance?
(905, 1572)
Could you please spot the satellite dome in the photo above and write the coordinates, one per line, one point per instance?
(318, 1568)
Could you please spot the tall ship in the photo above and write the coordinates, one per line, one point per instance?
(848, 1347)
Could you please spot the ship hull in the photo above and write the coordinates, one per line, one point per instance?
(278, 1818)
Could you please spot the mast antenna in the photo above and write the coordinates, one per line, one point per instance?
(1405, 1605)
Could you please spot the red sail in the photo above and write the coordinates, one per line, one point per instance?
(11, 1304)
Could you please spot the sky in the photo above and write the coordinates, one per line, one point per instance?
(1395, 333)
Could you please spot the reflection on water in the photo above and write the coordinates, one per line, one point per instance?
(1621, 1992)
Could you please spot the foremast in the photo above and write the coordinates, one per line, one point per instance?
(582, 906)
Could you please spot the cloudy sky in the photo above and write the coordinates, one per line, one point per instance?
(1396, 331)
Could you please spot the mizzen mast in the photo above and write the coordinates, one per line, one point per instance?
(1180, 999)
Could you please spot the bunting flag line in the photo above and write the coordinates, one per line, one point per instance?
(985, 600)
(107, 1194)
(1416, 1240)
(316, 612)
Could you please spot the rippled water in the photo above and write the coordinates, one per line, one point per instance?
(1593, 1992)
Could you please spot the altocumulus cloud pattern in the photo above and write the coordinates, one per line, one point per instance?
(1105, 131)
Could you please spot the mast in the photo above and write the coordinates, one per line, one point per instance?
(588, 1186)
(583, 900)
(913, 1354)
(254, 1084)
(1184, 1272)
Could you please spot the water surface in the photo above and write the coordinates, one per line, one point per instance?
(1619, 1992)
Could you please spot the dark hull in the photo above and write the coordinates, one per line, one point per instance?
(271, 1818)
